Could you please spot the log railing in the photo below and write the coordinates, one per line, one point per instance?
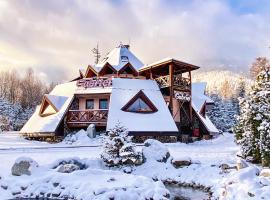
(178, 81)
(94, 116)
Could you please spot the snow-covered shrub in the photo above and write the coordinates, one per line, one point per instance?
(118, 148)
(77, 138)
(155, 150)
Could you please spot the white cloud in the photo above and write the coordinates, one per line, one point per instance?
(57, 36)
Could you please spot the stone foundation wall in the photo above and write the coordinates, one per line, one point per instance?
(164, 139)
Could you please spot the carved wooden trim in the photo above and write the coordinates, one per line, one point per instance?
(87, 116)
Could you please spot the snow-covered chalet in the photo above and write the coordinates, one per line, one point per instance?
(155, 100)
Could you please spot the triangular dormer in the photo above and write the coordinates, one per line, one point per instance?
(107, 69)
(140, 103)
(51, 104)
(128, 69)
(90, 72)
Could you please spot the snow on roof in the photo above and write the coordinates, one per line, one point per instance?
(61, 96)
(157, 62)
(97, 90)
(57, 101)
(198, 101)
(198, 89)
(49, 124)
(119, 57)
(123, 91)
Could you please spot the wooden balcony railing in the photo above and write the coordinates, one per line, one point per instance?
(86, 117)
(179, 82)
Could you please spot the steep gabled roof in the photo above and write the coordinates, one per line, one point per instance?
(199, 100)
(198, 89)
(119, 57)
(123, 91)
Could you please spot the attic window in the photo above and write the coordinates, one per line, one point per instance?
(47, 108)
(140, 103)
(124, 58)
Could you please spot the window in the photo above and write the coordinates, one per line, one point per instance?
(124, 58)
(140, 103)
(89, 104)
(139, 106)
(103, 104)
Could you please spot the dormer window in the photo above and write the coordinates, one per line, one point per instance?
(140, 103)
(124, 58)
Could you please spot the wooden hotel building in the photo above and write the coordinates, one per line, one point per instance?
(157, 100)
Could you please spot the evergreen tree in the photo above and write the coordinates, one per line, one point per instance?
(253, 127)
(262, 103)
(118, 148)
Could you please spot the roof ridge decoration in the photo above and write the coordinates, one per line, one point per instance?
(140, 103)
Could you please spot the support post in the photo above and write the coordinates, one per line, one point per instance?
(151, 74)
(171, 74)
(190, 104)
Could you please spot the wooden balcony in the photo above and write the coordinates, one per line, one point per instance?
(83, 118)
(179, 82)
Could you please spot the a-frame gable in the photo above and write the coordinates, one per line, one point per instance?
(140, 103)
(47, 107)
(107, 69)
(129, 69)
(90, 72)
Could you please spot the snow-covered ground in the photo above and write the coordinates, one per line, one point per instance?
(100, 182)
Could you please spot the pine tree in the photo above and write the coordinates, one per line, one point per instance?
(118, 148)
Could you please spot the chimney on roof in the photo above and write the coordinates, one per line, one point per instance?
(127, 46)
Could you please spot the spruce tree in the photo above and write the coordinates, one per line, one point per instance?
(253, 127)
(118, 148)
(262, 102)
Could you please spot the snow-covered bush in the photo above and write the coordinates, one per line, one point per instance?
(77, 138)
(155, 150)
(118, 148)
(253, 127)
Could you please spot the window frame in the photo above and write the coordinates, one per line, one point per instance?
(86, 104)
(146, 100)
(100, 104)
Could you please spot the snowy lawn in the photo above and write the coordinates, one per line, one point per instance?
(101, 182)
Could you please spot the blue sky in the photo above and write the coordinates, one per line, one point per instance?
(55, 37)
